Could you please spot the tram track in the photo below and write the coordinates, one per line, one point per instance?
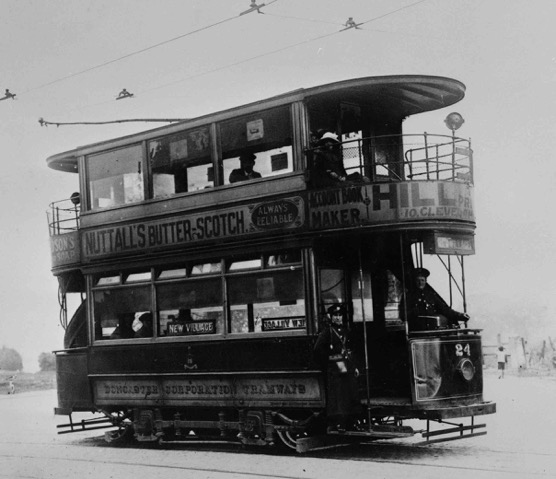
(431, 462)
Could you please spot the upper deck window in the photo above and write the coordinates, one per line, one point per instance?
(264, 137)
(181, 163)
(115, 177)
(138, 277)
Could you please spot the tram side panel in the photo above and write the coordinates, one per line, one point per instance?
(73, 388)
(275, 372)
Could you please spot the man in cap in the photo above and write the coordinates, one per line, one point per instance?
(423, 300)
(332, 351)
(246, 171)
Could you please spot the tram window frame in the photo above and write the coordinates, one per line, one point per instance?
(245, 307)
(213, 276)
(183, 316)
(268, 134)
(175, 159)
(117, 318)
(115, 177)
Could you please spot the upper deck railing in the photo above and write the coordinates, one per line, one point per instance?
(409, 157)
(63, 217)
(388, 158)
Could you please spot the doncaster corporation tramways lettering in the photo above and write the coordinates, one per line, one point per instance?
(169, 390)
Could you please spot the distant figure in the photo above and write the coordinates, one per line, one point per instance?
(425, 301)
(246, 171)
(501, 358)
(11, 386)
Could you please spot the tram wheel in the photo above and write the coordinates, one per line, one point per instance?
(122, 435)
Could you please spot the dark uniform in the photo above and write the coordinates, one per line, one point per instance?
(427, 302)
(333, 353)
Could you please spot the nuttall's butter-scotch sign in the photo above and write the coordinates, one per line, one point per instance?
(287, 213)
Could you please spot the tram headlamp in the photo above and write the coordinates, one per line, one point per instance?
(466, 369)
(454, 121)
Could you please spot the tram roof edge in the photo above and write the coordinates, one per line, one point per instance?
(400, 95)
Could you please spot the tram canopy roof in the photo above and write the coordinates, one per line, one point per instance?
(399, 96)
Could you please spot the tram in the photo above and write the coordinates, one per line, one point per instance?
(198, 299)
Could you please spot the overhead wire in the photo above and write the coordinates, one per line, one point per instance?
(278, 50)
(240, 62)
(137, 52)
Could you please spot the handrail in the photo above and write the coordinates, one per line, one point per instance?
(407, 157)
(63, 217)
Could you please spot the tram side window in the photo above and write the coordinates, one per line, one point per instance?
(122, 313)
(116, 177)
(362, 299)
(266, 136)
(394, 294)
(190, 308)
(267, 301)
(181, 163)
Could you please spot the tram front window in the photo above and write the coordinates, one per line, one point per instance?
(115, 177)
(121, 313)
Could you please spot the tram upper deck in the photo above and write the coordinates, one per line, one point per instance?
(172, 187)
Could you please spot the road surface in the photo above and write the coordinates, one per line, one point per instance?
(521, 443)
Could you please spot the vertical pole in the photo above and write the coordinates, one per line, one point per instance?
(367, 373)
(450, 278)
(463, 285)
(427, 156)
(453, 154)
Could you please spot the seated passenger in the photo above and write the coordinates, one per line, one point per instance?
(425, 301)
(124, 329)
(246, 171)
(143, 326)
(328, 164)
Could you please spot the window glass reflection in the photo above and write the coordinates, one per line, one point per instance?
(268, 302)
(115, 177)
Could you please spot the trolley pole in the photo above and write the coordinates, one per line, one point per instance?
(367, 374)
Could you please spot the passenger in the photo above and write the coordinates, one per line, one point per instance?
(423, 300)
(333, 354)
(143, 326)
(124, 329)
(328, 164)
(184, 316)
(246, 171)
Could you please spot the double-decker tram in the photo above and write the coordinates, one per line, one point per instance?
(257, 274)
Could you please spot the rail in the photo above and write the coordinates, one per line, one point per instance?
(408, 157)
(63, 216)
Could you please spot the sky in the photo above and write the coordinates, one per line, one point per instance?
(67, 60)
